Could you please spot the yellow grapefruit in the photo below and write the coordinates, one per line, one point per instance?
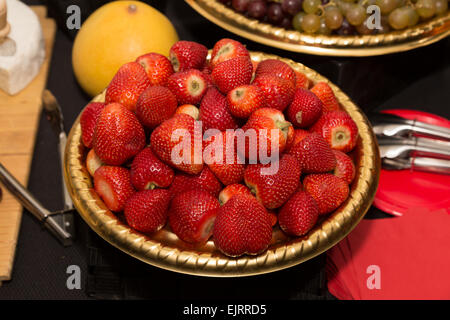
(114, 34)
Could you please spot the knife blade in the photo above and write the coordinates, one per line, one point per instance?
(54, 115)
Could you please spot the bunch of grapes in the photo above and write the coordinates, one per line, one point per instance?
(341, 17)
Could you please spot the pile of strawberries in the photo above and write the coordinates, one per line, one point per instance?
(133, 135)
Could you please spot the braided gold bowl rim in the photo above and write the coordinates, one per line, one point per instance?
(333, 45)
(165, 251)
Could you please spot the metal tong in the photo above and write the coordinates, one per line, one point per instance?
(59, 223)
(411, 144)
(51, 220)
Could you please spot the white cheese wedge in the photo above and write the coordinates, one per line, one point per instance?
(17, 70)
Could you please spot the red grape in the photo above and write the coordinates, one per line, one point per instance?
(275, 13)
(240, 5)
(286, 23)
(257, 9)
(291, 7)
(346, 29)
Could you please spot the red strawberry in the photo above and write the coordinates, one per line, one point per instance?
(299, 214)
(231, 190)
(324, 92)
(243, 100)
(214, 112)
(192, 214)
(232, 73)
(328, 190)
(207, 69)
(118, 136)
(302, 81)
(345, 169)
(88, 122)
(155, 105)
(205, 180)
(277, 68)
(290, 138)
(207, 74)
(314, 154)
(270, 130)
(242, 226)
(338, 129)
(220, 155)
(189, 109)
(226, 49)
(113, 185)
(93, 162)
(146, 211)
(273, 218)
(273, 183)
(148, 172)
(186, 55)
(305, 108)
(298, 136)
(127, 85)
(279, 92)
(178, 142)
(188, 86)
(157, 67)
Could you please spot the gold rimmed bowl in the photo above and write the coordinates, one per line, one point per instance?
(326, 45)
(163, 248)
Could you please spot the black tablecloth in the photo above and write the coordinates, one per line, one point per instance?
(418, 79)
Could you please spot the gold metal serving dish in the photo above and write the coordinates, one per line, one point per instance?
(163, 249)
(334, 45)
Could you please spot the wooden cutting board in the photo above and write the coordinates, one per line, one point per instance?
(19, 119)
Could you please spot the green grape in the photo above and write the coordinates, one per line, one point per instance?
(343, 6)
(441, 6)
(311, 23)
(366, 3)
(356, 15)
(333, 17)
(311, 6)
(386, 6)
(412, 16)
(426, 8)
(323, 29)
(399, 18)
(297, 21)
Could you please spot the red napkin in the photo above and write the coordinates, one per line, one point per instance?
(409, 255)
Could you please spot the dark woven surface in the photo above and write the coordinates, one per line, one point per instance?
(415, 80)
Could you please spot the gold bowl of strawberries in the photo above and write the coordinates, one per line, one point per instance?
(221, 162)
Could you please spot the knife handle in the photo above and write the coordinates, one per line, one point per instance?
(431, 165)
(32, 204)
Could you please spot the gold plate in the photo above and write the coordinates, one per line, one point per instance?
(334, 45)
(163, 249)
